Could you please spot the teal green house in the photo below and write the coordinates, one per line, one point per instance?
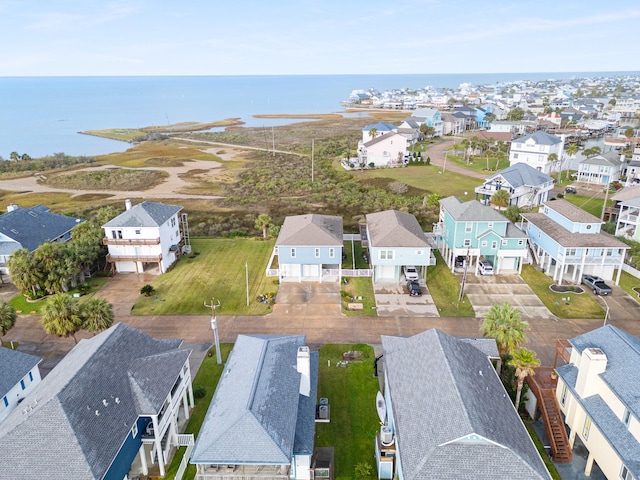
(472, 231)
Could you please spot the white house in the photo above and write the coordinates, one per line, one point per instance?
(601, 169)
(382, 151)
(535, 149)
(147, 233)
(629, 218)
(527, 186)
(20, 375)
(599, 394)
(375, 130)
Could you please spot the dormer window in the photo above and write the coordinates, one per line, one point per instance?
(626, 417)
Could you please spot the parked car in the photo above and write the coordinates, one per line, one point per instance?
(414, 289)
(411, 273)
(485, 268)
(597, 285)
(570, 190)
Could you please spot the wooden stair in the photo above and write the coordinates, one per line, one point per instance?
(554, 427)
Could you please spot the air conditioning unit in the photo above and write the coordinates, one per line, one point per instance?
(323, 412)
(386, 435)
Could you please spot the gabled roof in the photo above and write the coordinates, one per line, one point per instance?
(145, 214)
(253, 416)
(449, 406)
(539, 138)
(413, 122)
(15, 365)
(471, 211)
(382, 138)
(571, 212)
(311, 230)
(392, 228)
(609, 159)
(85, 408)
(380, 127)
(521, 174)
(424, 112)
(31, 227)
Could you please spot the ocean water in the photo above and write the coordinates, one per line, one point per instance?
(43, 115)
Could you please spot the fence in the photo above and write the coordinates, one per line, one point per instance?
(361, 272)
(630, 270)
(188, 441)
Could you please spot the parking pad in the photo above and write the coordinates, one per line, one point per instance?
(392, 300)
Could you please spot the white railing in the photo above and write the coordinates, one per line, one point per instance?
(630, 270)
(185, 439)
(330, 271)
(347, 237)
(359, 272)
(272, 272)
(184, 463)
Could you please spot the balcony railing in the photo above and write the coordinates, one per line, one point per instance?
(134, 258)
(131, 241)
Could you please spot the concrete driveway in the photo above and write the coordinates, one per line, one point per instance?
(307, 298)
(621, 305)
(485, 291)
(393, 300)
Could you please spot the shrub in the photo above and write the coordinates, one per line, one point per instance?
(199, 391)
(84, 287)
(147, 290)
(364, 471)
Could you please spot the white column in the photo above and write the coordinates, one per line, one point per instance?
(185, 405)
(143, 460)
(620, 266)
(572, 437)
(158, 444)
(587, 468)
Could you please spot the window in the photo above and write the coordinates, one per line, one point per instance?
(137, 232)
(626, 417)
(490, 225)
(293, 253)
(468, 227)
(177, 233)
(386, 254)
(504, 243)
(134, 430)
(494, 245)
(332, 252)
(467, 243)
(515, 156)
(22, 384)
(317, 253)
(484, 243)
(520, 243)
(6, 402)
(587, 427)
(570, 252)
(625, 474)
(419, 252)
(563, 397)
(31, 376)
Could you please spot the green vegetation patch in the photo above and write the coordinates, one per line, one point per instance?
(573, 306)
(122, 134)
(358, 290)
(445, 290)
(119, 179)
(218, 270)
(631, 285)
(593, 205)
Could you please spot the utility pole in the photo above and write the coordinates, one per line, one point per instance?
(214, 327)
(604, 205)
(464, 276)
(246, 270)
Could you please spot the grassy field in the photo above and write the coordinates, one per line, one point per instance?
(628, 282)
(351, 392)
(445, 290)
(593, 205)
(217, 271)
(110, 179)
(579, 306)
(482, 164)
(359, 287)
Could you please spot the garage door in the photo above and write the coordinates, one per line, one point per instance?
(290, 270)
(311, 270)
(508, 263)
(386, 272)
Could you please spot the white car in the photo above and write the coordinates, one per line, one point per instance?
(411, 273)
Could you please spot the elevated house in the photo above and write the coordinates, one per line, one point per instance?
(375, 130)
(146, 234)
(599, 394)
(535, 149)
(115, 400)
(383, 150)
(601, 169)
(31, 227)
(567, 243)
(470, 231)
(396, 239)
(261, 421)
(20, 375)
(446, 414)
(629, 218)
(309, 247)
(527, 186)
(432, 117)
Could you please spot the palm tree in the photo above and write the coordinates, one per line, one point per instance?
(524, 361)
(373, 132)
(262, 223)
(61, 316)
(14, 156)
(97, 314)
(25, 272)
(572, 151)
(505, 324)
(501, 198)
(7, 317)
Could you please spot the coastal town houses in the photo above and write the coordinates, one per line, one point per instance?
(629, 218)
(29, 228)
(431, 117)
(20, 375)
(632, 168)
(472, 231)
(396, 239)
(110, 409)
(599, 395)
(567, 243)
(527, 186)
(445, 413)
(601, 169)
(452, 125)
(383, 150)
(535, 150)
(309, 248)
(144, 236)
(261, 420)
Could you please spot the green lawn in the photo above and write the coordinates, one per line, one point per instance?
(482, 164)
(359, 287)
(21, 304)
(207, 376)
(593, 205)
(351, 392)
(217, 271)
(578, 306)
(628, 282)
(445, 290)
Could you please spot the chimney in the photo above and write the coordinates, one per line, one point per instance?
(127, 204)
(304, 368)
(593, 362)
(11, 207)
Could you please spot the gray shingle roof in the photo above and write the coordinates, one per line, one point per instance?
(253, 416)
(31, 227)
(471, 211)
(449, 404)
(145, 214)
(63, 437)
(539, 138)
(15, 365)
(521, 174)
(381, 138)
(572, 212)
(311, 230)
(393, 228)
(609, 159)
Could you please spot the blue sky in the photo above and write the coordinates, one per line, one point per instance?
(243, 37)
